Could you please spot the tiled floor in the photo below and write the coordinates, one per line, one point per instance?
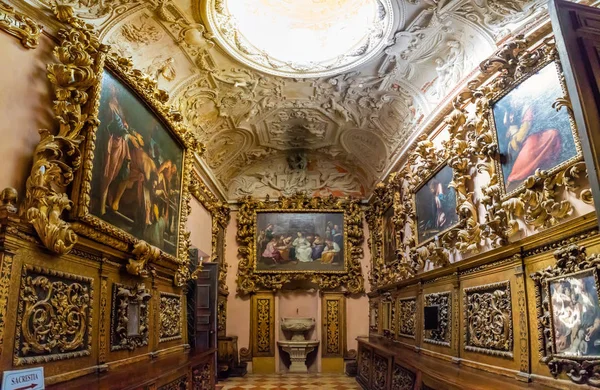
(291, 382)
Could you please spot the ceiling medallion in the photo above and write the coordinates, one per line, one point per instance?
(301, 38)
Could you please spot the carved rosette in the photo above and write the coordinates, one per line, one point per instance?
(170, 317)
(407, 308)
(402, 379)
(129, 306)
(19, 25)
(249, 281)
(488, 319)
(54, 318)
(441, 335)
(570, 260)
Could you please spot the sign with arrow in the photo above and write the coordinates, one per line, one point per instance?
(29, 379)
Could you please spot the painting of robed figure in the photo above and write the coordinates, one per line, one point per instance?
(390, 242)
(435, 203)
(300, 241)
(531, 133)
(137, 172)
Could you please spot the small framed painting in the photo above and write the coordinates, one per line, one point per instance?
(390, 235)
(435, 205)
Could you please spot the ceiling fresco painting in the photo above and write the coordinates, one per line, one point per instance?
(305, 110)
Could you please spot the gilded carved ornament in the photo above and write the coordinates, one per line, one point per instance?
(19, 25)
(124, 332)
(473, 150)
(249, 281)
(63, 160)
(572, 261)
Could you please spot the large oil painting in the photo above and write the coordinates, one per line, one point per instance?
(435, 204)
(137, 172)
(300, 241)
(531, 133)
(575, 314)
(389, 235)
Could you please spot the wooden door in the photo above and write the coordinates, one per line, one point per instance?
(577, 31)
(206, 307)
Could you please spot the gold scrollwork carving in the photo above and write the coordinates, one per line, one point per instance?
(441, 335)
(571, 260)
(407, 308)
(19, 25)
(130, 317)
(170, 317)
(54, 320)
(57, 157)
(364, 365)
(201, 377)
(5, 272)
(488, 319)
(351, 279)
(177, 384)
(263, 325)
(145, 254)
(220, 214)
(332, 315)
(102, 321)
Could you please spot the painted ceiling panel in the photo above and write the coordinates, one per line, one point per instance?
(272, 135)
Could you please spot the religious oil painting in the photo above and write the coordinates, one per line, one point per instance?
(389, 236)
(435, 203)
(575, 315)
(137, 173)
(530, 132)
(300, 241)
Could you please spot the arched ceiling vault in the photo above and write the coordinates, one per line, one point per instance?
(272, 135)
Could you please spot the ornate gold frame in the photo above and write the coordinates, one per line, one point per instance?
(170, 316)
(331, 211)
(249, 280)
(571, 260)
(539, 63)
(122, 296)
(416, 189)
(63, 161)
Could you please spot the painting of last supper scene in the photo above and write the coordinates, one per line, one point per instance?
(575, 315)
(531, 133)
(137, 172)
(435, 203)
(300, 241)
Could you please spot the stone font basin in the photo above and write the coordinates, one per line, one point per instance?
(298, 326)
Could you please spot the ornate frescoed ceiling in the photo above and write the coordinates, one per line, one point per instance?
(319, 106)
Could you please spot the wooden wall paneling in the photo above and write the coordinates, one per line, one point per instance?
(262, 327)
(408, 316)
(489, 293)
(365, 357)
(381, 371)
(333, 313)
(441, 343)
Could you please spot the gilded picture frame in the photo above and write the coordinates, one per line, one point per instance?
(542, 68)
(421, 187)
(577, 355)
(251, 278)
(327, 217)
(59, 188)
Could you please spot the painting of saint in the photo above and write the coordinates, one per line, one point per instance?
(389, 236)
(300, 241)
(575, 315)
(435, 204)
(531, 134)
(137, 171)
